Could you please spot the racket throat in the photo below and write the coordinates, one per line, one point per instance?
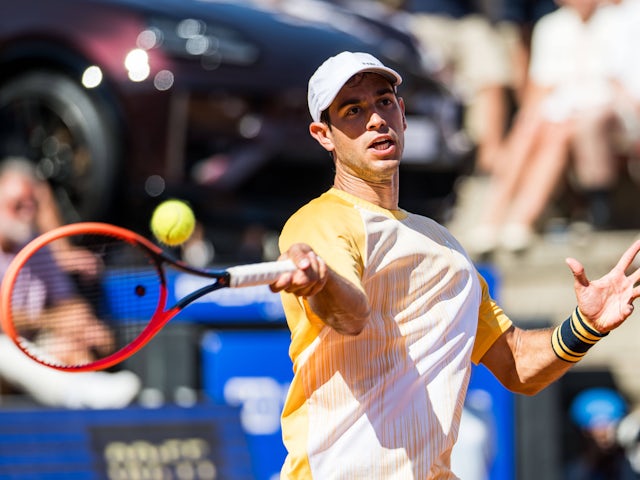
(221, 282)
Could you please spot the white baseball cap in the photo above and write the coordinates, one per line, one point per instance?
(331, 76)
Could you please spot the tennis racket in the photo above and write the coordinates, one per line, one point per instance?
(70, 325)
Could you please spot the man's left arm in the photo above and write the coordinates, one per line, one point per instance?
(526, 361)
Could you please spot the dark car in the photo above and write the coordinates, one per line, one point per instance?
(122, 103)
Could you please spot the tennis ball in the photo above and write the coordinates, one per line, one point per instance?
(173, 222)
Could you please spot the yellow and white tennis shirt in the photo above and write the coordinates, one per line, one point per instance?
(386, 403)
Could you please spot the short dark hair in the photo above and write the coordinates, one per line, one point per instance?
(324, 117)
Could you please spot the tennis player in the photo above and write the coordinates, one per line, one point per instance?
(387, 312)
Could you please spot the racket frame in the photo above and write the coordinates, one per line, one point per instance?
(159, 318)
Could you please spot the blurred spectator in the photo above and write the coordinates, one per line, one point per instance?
(626, 71)
(608, 131)
(628, 436)
(515, 20)
(597, 412)
(471, 56)
(570, 111)
(19, 210)
(624, 58)
(48, 217)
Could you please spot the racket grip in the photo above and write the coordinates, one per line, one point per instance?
(258, 273)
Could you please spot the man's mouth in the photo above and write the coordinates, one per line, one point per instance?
(382, 145)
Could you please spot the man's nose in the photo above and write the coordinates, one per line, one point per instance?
(375, 121)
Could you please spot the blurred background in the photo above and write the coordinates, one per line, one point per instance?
(121, 104)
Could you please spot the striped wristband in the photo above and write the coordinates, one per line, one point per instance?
(573, 338)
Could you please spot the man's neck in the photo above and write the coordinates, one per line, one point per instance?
(384, 195)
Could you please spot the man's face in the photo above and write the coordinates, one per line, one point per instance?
(367, 128)
(18, 209)
(604, 436)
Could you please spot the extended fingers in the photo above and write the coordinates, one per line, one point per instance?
(578, 271)
(634, 277)
(627, 257)
(626, 261)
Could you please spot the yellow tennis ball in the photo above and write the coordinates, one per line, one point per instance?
(173, 222)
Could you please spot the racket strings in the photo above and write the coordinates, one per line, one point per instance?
(79, 300)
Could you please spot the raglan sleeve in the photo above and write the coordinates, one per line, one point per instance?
(492, 322)
(335, 233)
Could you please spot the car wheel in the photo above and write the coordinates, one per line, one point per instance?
(53, 121)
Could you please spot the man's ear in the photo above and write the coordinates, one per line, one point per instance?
(404, 118)
(320, 131)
